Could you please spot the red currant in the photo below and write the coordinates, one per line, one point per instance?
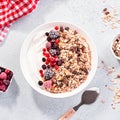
(56, 27)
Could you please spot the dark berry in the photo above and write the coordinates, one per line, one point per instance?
(57, 52)
(43, 59)
(44, 67)
(48, 66)
(40, 83)
(48, 74)
(48, 39)
(54, 34)
(67, 28)
(55, 46)
(2, 69)
(47, 34)
(52, 52)
(61, 29)
(59, 62)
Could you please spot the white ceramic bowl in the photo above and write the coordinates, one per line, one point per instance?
(26, 68)
(118, 58)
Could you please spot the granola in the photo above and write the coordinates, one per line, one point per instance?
(68, 59)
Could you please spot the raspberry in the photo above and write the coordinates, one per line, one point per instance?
(3, 76)
(47, 55)
(47, 84)
(48, 45)
(7, 71)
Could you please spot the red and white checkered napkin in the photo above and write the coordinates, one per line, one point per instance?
(11, 10)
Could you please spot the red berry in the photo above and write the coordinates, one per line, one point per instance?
(56, 27)
(47, 55)
(52, 59)
(41, 71)
(42, 75)
(56, 67)
(47, 62)
(44, 53)
(44, 50)
(7, 71)
(3, 76)
(57, 41)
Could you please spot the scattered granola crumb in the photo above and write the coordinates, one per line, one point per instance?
(117, 76)
(110, 17)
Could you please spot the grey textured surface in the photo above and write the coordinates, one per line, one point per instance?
(21, 102)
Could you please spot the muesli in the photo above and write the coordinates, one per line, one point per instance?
(66, 60)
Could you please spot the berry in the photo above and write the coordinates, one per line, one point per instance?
(57, 52)
(3, 87)
(42, 75)
(52, 52)
(44, 50)
(7, 71)
(59, 62)
(48, 39)
(43, 66)
(54, 34)
(47, 62)
(41, 71)
(53, 59)
(48, 66)
(48, 74)
(3, 76)
(56, 67)
(55, 46)
(47, 34)
(56, 28)
(48, 45)
(47, 55)
(43, 59)
(57, 41)
(47, 84)
(40, 83)
(6, 82)
(44, 53)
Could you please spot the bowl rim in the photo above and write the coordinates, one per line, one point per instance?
(112, 46)
(83, 85)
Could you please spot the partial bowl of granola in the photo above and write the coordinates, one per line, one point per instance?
(58, 59)
(115, 47)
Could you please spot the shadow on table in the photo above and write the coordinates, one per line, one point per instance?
(53, 107)
(8, 99)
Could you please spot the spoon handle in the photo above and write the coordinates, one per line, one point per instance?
(67, 115)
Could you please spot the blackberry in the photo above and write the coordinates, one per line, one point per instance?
(48, 74)
(59, 62)
(57, 52)
(54, 34)
(52, 52)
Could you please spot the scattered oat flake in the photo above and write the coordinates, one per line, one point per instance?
(111, 88)
(103, 101)
(118, 76)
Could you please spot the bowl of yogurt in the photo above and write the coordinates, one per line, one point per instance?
(58, 59)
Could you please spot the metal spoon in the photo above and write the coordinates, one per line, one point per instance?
(88, 97)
